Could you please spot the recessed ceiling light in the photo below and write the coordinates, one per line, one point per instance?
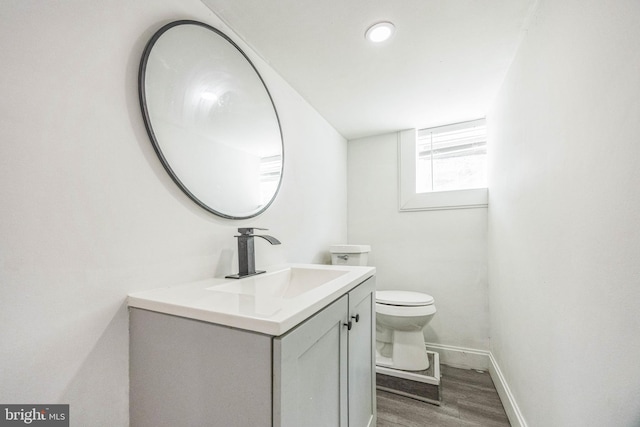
(380, 32)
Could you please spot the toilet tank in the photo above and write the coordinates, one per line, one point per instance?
(349, 254)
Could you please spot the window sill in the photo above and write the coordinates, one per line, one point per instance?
(441, 200)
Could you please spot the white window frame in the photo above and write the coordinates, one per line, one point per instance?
(410, 200)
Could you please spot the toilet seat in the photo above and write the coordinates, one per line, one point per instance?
(405, 311)
(403, 298)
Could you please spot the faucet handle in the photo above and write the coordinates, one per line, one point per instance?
(247, 231)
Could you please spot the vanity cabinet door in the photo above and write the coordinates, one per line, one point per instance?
(310, 371)
(362, 397)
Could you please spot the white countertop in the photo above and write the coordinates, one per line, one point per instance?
(253, 303)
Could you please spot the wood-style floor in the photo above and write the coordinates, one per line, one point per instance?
(469, 398)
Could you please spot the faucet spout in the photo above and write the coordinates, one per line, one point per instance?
(269, 239)
(246, 252)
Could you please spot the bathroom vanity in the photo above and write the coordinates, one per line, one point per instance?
(292, 347)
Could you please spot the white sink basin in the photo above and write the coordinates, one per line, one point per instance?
(284, 284)
(269, 303)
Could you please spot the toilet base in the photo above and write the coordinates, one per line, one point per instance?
(406, 352)
(421, 385)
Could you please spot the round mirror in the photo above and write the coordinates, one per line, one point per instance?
(211, 119)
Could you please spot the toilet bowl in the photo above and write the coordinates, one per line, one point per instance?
(400, 318)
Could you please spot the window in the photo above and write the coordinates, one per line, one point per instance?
(443, 167)
(451, 157)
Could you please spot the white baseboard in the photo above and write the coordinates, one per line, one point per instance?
(460, 357)
(508, 401)
(468, 358)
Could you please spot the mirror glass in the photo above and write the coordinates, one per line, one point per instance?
(211, 119)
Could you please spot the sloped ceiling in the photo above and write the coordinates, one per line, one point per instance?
(444, 64)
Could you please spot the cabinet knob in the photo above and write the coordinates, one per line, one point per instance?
(357, 317)
(349, 324)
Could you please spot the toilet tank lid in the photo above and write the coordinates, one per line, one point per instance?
(407, 298)
(349, 249)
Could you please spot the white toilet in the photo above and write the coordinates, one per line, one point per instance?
(400, 317)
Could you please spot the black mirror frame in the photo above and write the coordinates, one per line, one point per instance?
(152, 136)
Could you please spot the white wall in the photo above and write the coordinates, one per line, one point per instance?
(564, 228)
(88, 213)
(442, 253)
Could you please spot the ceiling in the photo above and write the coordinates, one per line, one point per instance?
(444, 64)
